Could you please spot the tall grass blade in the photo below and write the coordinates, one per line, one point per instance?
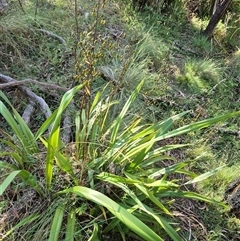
(52, 147)
(148, 194)
(31, 181)
(54, 139)
(7, 181)
(167, 170)
(94, 236)
(116, 124)
(8, 166)
(197, 126)
(26, 137)
(205, 175)
(56, 224)
(14, 156)
(71, 220)
(10, 120)
(190, 195)
(172, 233)
(27, 220)
(65, 165)
(46, 124)
(27, 177)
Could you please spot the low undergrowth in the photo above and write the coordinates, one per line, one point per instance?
(129, 74)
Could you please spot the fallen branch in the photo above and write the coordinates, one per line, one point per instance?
(31, 95)
(28, 112)
(67, 124)
(14, 83)
(229, 132)
(66, 137)
(55, 36)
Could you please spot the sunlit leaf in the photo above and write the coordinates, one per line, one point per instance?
(94, 236)
(70, 231)
(205, 175)
(7, 181)
(122, 214)
(56, 224)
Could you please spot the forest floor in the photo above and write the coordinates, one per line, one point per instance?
(183, 71)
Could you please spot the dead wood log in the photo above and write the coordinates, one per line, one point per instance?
(28, 112)
(66, 137)
(31, 95)
(15, 83)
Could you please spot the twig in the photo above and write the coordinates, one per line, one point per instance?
(15, 83)
(187, 49)
(229, 132)
(21, 6)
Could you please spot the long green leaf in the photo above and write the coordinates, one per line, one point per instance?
(118, 211)
(116, 124)
(148, 193)
(197, 125)
(46, 124)
(8, 166)
(10, 120)
(7, 181)
(71, 220)
(27, 177)
(166, 170)
(31, 181)
(205, 175)
(172, 233)
(54, 139)
(15, 157)
(108, 177)
(53, 145)
(56, 224)
(191, 195)
(26, 137)
(65, 165)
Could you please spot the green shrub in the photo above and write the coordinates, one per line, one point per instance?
(113, 166)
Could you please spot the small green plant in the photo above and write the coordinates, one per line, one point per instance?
(112, 181)
(201, 44)
(122, 155)
(200, 75)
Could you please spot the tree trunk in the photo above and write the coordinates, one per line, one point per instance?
(218, 11)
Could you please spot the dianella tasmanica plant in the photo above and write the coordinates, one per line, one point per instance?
(113, 170)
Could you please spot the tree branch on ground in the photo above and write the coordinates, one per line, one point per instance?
(30, 95)
(31, 81)
(55, 36)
